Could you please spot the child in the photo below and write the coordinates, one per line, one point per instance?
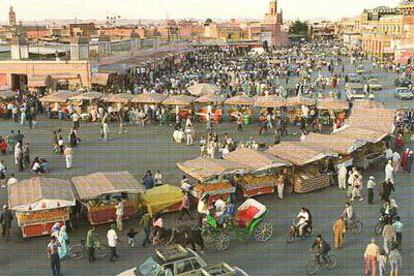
(382, 260)
(131, 237)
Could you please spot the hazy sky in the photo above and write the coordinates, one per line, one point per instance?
(158, 9)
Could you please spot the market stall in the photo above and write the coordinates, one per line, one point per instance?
(210, 175)
(85, 103)
(39, 203)
(6, 97)
(372, 151)
(99, 193)
(210, 104)
(56, 104)
(162, 199)
(309, 165)
(265, 170)
(183, 104)
(243, 105)
(332, 110)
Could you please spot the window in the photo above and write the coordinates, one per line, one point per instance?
(184, 266)
(196, 264)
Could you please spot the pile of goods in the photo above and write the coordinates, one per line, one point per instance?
(213, 188)
(251, 181)
(98, 205)
(42, 216)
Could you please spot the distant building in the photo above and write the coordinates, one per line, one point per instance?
(12, 17)
(82, 29)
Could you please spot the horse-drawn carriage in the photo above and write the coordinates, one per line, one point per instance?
(248, 221)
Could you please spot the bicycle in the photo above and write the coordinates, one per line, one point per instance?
(313, 266)
(355, 226)
(79, 251)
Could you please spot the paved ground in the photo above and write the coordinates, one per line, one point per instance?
(152, 148)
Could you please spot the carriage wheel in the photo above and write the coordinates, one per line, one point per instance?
(222, 242)
(263, 231)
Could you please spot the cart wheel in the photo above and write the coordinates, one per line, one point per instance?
(222, 242)
(263, 231)
(77, 252)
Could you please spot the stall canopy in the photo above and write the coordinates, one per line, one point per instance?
(97, 184)
(100, 78)
(7, 94)
(298, 101)
(183, 100)
(361, 104)
(148, 98)
(37, 194)
(123, 98)
(298, 154)
(159, 198)
(337, 143)
(204, 169)
(256, 160)
(241, 100)
(270, 101)
(59, 97)
(370, 136)
(88, 96)
(332, 104)
(201, 89)
(377, 119)
(213, 99)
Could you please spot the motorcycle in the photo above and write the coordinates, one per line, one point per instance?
(293, 232)
(382, 221)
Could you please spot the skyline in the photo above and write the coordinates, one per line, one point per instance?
(178, 9)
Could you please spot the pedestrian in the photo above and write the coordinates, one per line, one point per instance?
(52, 250)
(239, 121)
(280, 185)
(398, 227)
(370, 188)
(145, 223)
(382, 261)
(371, 254)
(158, 178)
(339, 231)
(6, 218)
(342, 172)
(410, 161)
(105, 132)
(148, 180)
(63, 240)
(11, 141)
(396, 161)
(189, 135)
(113, 242)
(387, 188)
(119, 215)
(91, 242)
(12, 180)
(2, 174)
(185, 207)
(389, 172)
(388, 233)
(395, 260)
(356, 188)
(26, 155)
(68, 154)
(131, 237)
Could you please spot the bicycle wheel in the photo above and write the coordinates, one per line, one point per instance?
(331, 261)
(77, 252)
(379, 227)
(357, 228)
(312, 267)
(101, 251)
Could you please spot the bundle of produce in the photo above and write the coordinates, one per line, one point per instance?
(217, 188)
(43, 216)
(258, 181)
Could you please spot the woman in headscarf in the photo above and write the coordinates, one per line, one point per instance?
(63, 240)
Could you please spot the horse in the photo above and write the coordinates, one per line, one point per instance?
(183, 235)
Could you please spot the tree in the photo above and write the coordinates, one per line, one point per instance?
(299, 29)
